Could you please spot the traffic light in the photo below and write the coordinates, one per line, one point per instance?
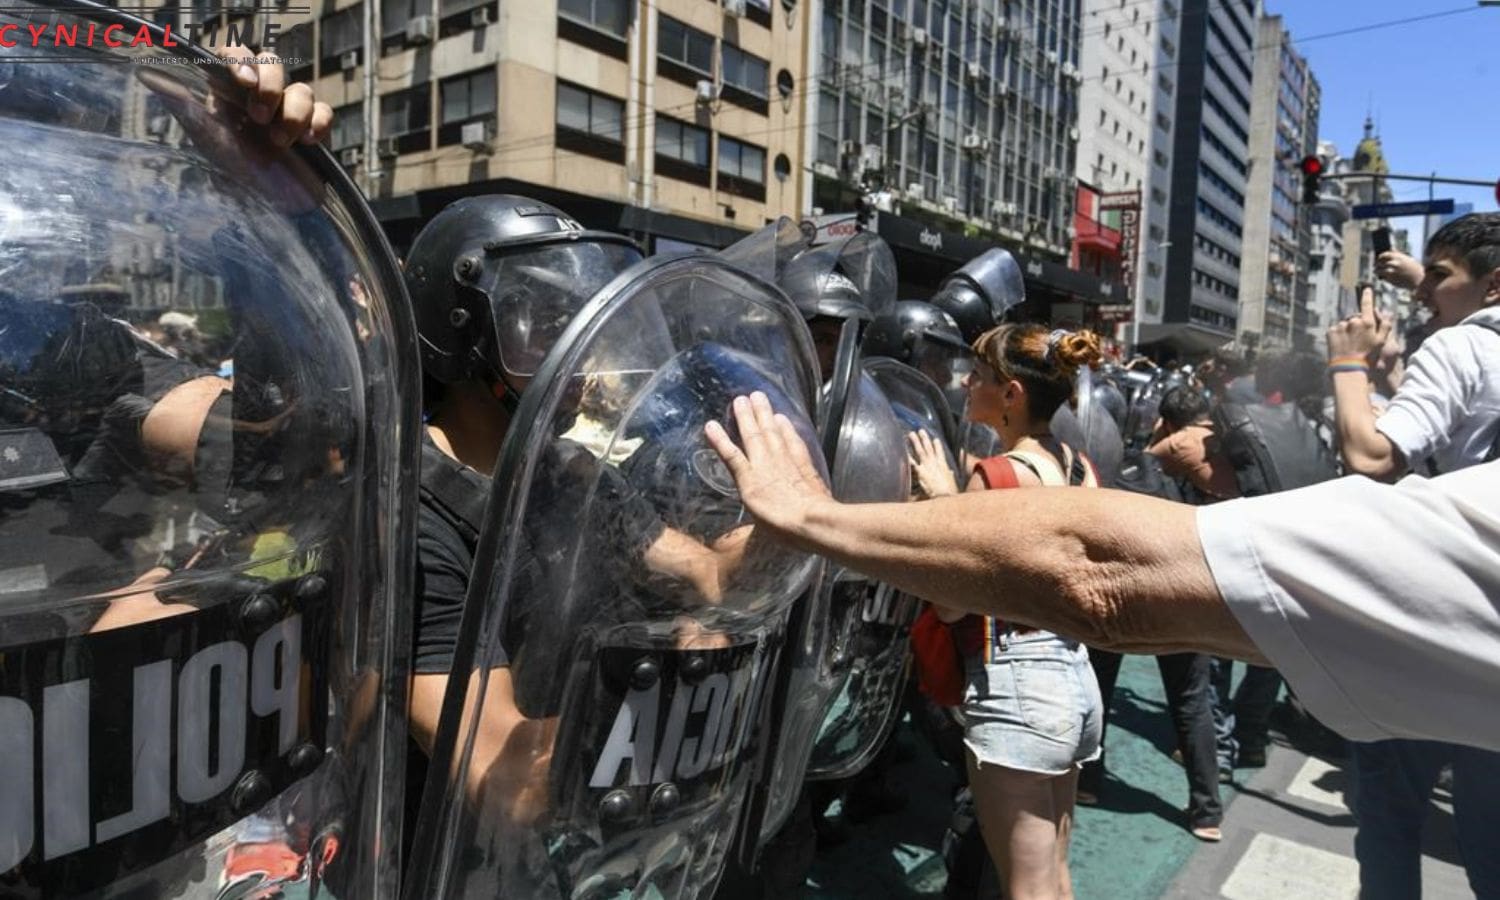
(1312, 173)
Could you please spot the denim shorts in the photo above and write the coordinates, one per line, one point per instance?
(1035, 707)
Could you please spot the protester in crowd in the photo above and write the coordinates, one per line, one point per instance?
(1031, 710)
(1444, 416)
(1188, 449)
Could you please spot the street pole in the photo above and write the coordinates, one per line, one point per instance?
(371, 59)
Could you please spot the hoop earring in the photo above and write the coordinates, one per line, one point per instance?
(1005, 419)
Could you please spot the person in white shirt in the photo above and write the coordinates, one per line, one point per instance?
(1444, 416)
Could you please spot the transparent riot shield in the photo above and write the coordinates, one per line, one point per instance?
(623, 620)
(873, 651)
(863, 260)
(207, 433)
(1088, 426)
(919, 403)
(865, 445)
(997, 277)
(767, 252)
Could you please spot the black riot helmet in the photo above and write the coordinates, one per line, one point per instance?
(980, 293)
(900, 332)
(495, 279)
(927, 339)
(820, 291)
(852, 278)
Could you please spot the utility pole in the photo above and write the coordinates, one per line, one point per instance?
(369, 109)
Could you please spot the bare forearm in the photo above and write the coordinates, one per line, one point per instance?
(1114, 570)
(1365, 450)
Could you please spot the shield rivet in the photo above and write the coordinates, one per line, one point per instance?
(664, 799)
(259, 612)
(614, 807)
(694, 668)
(645, 674)
(250, 793)
(304, 758)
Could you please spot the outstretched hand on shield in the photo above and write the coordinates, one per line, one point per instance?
(775, 474)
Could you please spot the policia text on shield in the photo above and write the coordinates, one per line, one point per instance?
(1285, 578)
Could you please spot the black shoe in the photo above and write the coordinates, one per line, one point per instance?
(1251, 758)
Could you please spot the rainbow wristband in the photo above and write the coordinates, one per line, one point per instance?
(1347, 364)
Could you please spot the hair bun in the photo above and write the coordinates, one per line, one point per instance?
(1075, 349)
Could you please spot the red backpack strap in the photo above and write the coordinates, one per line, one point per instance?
(997, 472)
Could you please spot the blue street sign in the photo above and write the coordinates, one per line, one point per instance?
(1396, 210)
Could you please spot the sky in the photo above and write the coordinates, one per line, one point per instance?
(1431, 86)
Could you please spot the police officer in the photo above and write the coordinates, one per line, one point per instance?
(838, 282)
(924, 337)
(495, 281)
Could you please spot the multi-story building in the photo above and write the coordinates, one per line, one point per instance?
(1329, 297)
(1273, 295)
(1125, 149)
(1209, 174)
(668, 119)
(957, 120)
(1365, 186)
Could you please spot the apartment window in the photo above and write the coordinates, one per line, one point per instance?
(686, 46)
(295, 47)
(742, 168)
(609, 16)
(348, 129)
(682, 151)
(589, 122)
(745, 71)
(589, 113)
(407, 117)
(394, 14)
(465, 98)
(342, 33)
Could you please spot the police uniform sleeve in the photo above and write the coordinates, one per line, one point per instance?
(443, 565)
(1377, 603)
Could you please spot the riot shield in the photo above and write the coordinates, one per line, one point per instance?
(919, 403)
(865, 445)
(997, 276)
(767, 253)
(597, 733)
(1090, 427)
(862, 263)
(205, 532)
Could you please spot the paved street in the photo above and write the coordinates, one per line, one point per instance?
(1287, 832)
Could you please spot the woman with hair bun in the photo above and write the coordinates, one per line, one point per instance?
(1031, 711)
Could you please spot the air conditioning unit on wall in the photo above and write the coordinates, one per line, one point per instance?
(420, 30)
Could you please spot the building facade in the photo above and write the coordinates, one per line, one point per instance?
(676, 119)
(1125, 151)
(1329, 297)
(1274, 300)
(1209, 175)
(951, 126)
(1363, 185)
(967, 111)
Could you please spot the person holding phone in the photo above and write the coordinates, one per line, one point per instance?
(1444, 416)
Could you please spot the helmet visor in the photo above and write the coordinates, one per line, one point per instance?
(536, 292)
